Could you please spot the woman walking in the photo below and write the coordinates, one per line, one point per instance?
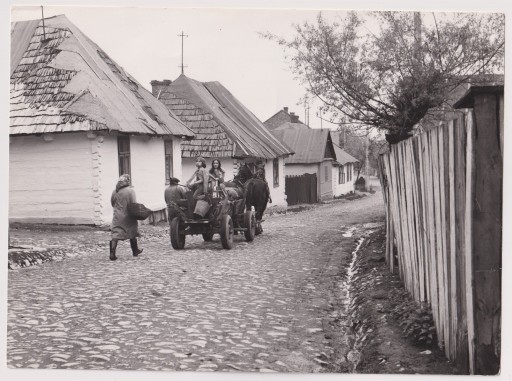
(123, 225)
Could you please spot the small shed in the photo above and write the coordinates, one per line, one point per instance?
(78, 121)
(224, 129)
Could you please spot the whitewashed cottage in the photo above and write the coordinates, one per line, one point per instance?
(224, 129)
(343, 175)
(319, 169)
(78, 121)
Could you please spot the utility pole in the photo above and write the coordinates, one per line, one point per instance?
(417, 39)
(182, 35)
(366, 162)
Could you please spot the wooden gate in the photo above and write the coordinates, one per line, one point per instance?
(301, 189)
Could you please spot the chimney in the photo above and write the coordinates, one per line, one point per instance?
(285, 109)
(158, 86)
(294, 118)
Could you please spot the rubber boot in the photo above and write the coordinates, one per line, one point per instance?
(135, 249)
(113, 246)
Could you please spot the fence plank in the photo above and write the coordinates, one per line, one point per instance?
(418, 212)
(392, 205)
(452, 240)
(443, 183)
(460, 226)
(429, 170)
(487, 235)
(468, 241)
(424, 218)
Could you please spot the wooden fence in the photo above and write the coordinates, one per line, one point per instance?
(301, 189)
(442, 191)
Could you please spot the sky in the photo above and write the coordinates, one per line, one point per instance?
(222, 45)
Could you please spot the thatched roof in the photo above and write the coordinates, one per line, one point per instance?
(67, 83)
(222, 125)
(309, 144)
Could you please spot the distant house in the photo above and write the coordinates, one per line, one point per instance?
(343, 172)
(281, 117)
(77, 122)
(224, 129)
(314, 155)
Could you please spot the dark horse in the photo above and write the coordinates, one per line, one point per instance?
(257, 194)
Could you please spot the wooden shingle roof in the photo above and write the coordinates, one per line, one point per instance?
(223, 126)
(67, 83)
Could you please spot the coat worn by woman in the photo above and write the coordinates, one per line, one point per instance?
(123, 225)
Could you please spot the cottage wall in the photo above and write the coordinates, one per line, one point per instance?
(147, 160)
(148, 170)
(347, 187)
(277, 193)
(51, 181)
(325, 180)
(70, 179)
(106, 174)
(177, 167)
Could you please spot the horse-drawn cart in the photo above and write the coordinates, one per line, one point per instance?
(216, 215)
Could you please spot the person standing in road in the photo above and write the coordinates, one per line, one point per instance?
(177, 194)
(123, 225)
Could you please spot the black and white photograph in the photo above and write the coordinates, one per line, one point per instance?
(299, 189)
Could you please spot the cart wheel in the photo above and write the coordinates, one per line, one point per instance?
(227, 232)
(207, 237)
(250, 225)
(177, 234)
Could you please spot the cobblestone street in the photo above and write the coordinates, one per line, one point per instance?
(263, 306)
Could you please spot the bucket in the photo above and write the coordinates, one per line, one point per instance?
(202, 207)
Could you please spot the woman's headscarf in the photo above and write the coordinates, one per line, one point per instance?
(124, 181)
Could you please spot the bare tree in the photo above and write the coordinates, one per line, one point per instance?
(390, 79)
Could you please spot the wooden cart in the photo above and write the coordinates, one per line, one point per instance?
(225, 217)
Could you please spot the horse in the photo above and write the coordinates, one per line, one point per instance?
(257, 194)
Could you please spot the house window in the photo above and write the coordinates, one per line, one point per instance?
(275, 165)
(326, 172)
(341, 174)
(168, 160)
(123, 152)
